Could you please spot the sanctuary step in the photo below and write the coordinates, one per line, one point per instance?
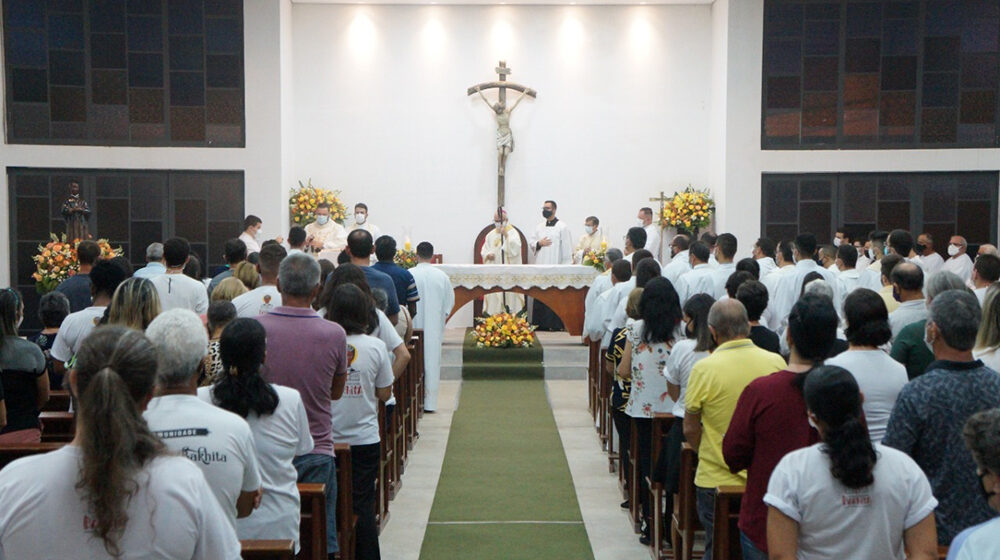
(565, 357)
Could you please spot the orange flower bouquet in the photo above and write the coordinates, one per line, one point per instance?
(504, 330)
(405, 258)
(689, 209)
(56, 261)
(303, 202)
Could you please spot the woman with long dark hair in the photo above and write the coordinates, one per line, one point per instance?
(649, 342)
(847, 497)
(278, 421)
(114, 491)
(24, 386)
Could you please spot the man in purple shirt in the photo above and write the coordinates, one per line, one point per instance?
(309, 354)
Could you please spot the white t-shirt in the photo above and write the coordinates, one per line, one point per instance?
(216, 440)
(278, 437)
(75, 327)
(355, 415)
(880, 379)
(180, 291)
(258, 301)
(172, 515)
(678, 369)
(388, 334)
(837, 522)
(980, 542)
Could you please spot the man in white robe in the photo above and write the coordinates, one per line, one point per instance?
(551, 243)
(763, 253)
(958, 261)
(784, 265)
(590, 240)
(725, 252)
(680, 262)
(790, 286)
(593, 321)
(502, 246)
(932, 261)
(699, 280)
(325, 235)
(437, 297)
(652, 228)
(361, 221)
(251, 233)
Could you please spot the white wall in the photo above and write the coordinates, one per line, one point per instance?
(260, 159)
(381, 112)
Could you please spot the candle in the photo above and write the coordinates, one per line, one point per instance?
(604, 244)
(406, 246)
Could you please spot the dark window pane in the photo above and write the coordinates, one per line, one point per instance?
(980, 70)
(145, 70)
(28, 224)
(69, 130)
(783, 57)
(898, 108)
(187, 124)
(144, 233)
(225, 107)
(944, 17)
(828, 10)
(24, 13)
(778, 231)
(109, 121)
(112, 219)
(941, 54)
(27, 48)
(782, 201)
(148, 197)
(940, 90)
(186, 16)
(893, 189)
(861, 123)
(899, 73)
(223, 7)
(187, 89)
(862, 55)
(819, 109)
(893, 215)
(974, 223)
(939, 125)
(112, 186)
(980, 35)
(145, 34)
(29, 121)
(147, 132)
(783, 93)
(107, 16)
(816, 190)
(822, 38)
(110, 87)
(186, 53)
(146, 106)
(816, 217)
(33, 185)
(858, 198)
(66, 31)
(224, 71)
(864, 20)
(906, 9)
(66, 68)
(979, 107)
(29, 85)
(147, 7)
(224, 36)
(66, 5)
(861, 91)
(820, 73)
(900, 37)
(939, 203)
(68, 104)
(783, 123)
(225, 196)
(190, 220)
(107, 51)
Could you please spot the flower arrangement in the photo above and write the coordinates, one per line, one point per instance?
(303, 201)
(56, 261)
(504, 330)
(405, 258)
(689, 209)
(596, 258)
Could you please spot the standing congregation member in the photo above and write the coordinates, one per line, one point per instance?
(277, 420)
(228, 290)
(309, 354)
(355, 415)
(219, 315)
(680, 261)
(266, 297)
(77, 287)
(770, 419)
(635, 240)
(621, 387)
(763, 253)
(325, 234)
(958, 260)
(648, 344)
(698, 280)
(105, 278)
(361, 221)
(178, 291)
(908, 289)
(725, 251)
(753, 295)
(590, 240)
(932, 261)
(234, 251)
(887, 291)
(714, 387)
(909, 347)
(877, 249)
(847, 497)
(115, 490)
(608, 302)
(748, 265)
(53, 308)
(985, 271)
(851, 277)
(135, 304)
(927, 420)
(652, 228)
(23, 382)
(787, 291)
(982, 437)
(551, 243)
(406, 289)
(251, 233)
(437, 297)
(297, 240)
(219, 442)
(247, 273)
(360, 246)
(593, 327)
(502, 246)
(987, 249)
(709, 239)
(988, 339)
(154, 262)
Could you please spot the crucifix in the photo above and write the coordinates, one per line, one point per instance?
(662, 199)
(505, 138)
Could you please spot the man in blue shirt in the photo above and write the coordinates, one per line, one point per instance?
(235, 252)
(359, 247)
(406, 286)
(154, 262)
(77, 287)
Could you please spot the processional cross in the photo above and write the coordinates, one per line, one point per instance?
(505, 138)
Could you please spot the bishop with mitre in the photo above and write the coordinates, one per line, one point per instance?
(502, 246)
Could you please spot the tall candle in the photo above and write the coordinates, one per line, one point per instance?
(406, 246)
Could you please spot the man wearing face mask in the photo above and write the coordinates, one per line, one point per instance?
(251, 233)
(680, 262)
(908, 289)
(551, 243)
(590, 240)
(645, 221)
(877, 248)
(502, 246)
(361, 221)
(930, 260)
(958, 261)
(841, 238)
(325, 234)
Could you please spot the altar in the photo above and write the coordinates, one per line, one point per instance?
(561, 287)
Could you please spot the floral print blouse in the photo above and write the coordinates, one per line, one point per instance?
(649, 387)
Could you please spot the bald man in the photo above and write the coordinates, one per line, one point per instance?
(908, 288)
(958, 261)
(987, 249)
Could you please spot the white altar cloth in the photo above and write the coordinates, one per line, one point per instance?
(525, 276)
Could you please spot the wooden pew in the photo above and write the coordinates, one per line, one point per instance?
(726, 533)
(346, 519)
(58, 402)
(662, 423)
(418, 380)
(634, 505)
(593, 372)
(57, 426)
(13, 451)
(684, 521)
(942, 552)
(382, 481)
(312, 521)
(267, 550)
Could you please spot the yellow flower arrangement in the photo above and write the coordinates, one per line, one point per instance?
(406, 259)
(303, 201)
(56, 261)
(689, 209)
(503, 330)
(595, 258)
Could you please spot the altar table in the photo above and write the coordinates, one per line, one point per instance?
(561, 287)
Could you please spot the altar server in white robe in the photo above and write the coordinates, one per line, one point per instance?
(652, 228)
(551, 243)
(361, 221)
(958, 261)
(593, 320)
(763, 253)
(790, 285)
(700, 279)
(437, 297)
(502, 246)
(590, 240)
(932, 261)
(680, 261)
(725, 252)
(611, 300)
(325, 234)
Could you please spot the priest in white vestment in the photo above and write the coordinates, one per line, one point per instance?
(958, 260)
(680, 261)
(590, 240)
(502, 246)
(361, 221)
(325, 234)
(551, 243)
(652, 228)
(437, 297)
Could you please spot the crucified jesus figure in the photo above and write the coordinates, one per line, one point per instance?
(505, 138)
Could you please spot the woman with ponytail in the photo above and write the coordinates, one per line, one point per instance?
(847, 497)
(114, 491)
(24, 386)
(278, 421)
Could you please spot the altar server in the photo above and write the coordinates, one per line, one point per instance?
(700, 279)
(502, 246)
(551, 244)
(789, 286)
(652, 231)
(593, 321)
(437, 297)
(325, 234)
(361, 221)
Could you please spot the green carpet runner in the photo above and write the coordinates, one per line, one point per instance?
(505, 490)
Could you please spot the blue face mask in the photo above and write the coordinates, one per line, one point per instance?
(885, 250)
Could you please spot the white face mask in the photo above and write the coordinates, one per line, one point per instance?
(640, 223)
(322, 220)
(836, 241)
(589, 229)
(360, 218)
(257, 235)
(953, 250)
(498, 225)
(928, 342)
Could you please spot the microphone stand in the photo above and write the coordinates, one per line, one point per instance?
(503, 254)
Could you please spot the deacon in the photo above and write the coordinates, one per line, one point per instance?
(502, 246)
(551, 243)
(652, 231)
(361, 221)
(437, 297)
(325, 234)
(590, 240)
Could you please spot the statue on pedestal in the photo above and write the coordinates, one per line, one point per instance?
(76, 211)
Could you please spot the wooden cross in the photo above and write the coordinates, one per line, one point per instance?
(662, 199)
(505, 139)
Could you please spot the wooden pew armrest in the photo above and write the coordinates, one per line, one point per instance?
(267, 549)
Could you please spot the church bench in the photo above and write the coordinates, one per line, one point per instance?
(57, 426)
(267, 549)
(634, 506)
(346, 519)
(382, 481)
(312, 521)
(593, 371)
(58, 402)
(417, 382)
(726, 533)
(12, 451)
(942, 552)
(660, 525)
(684, 521)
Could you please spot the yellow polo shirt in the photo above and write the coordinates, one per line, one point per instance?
(715, 385)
